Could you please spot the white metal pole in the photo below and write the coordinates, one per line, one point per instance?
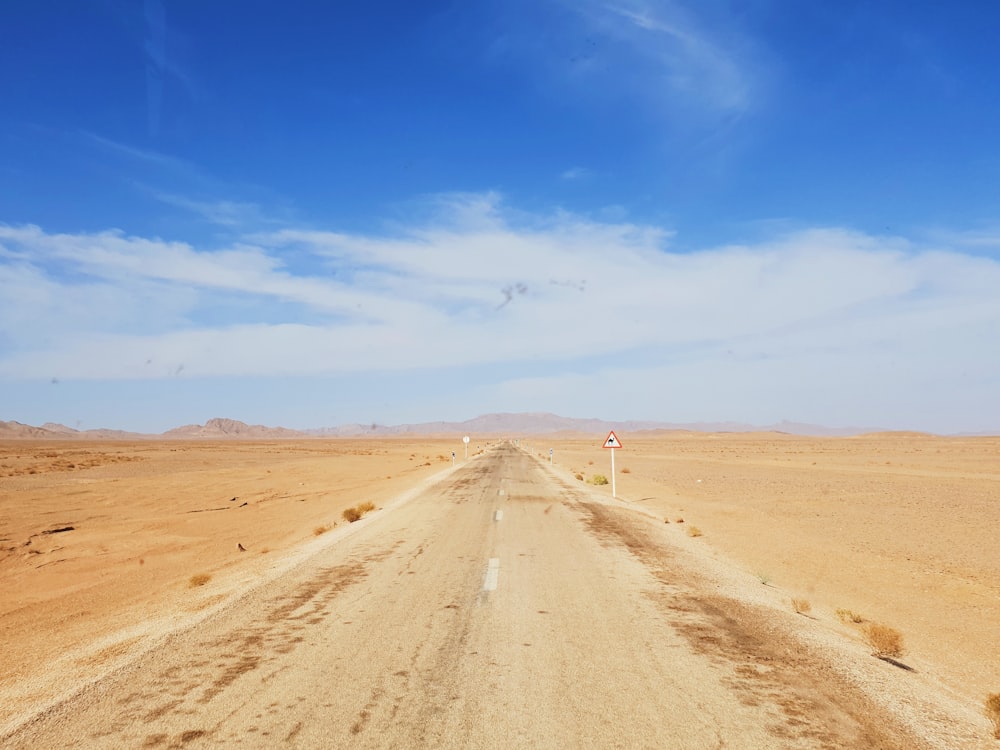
(613, 493)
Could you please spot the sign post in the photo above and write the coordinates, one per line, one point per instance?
(612, 442)
(466, 441)
(550, 456)
(453, 458)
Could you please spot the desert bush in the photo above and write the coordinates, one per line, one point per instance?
(321, 529)
(886, 642)
(679, 520)
(992, 708)
(199, 579)
(354, 514)
(694, 531)
(599, 479)
(579, 476)
(626, 470)
(590, 463)
(801, 606)
(846, 615)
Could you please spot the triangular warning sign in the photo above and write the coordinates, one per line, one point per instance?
(612, 441)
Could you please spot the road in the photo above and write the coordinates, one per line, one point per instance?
(502, 607)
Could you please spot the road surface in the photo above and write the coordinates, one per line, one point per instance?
(502, 607)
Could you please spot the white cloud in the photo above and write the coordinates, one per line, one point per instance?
(827, 317)
(574, 174)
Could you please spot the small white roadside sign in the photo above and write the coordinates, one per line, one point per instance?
(612, 442)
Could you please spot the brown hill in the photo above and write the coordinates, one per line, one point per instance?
(230, 428)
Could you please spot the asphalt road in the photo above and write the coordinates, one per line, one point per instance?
(502, 607)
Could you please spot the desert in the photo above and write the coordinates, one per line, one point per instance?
(110, 547)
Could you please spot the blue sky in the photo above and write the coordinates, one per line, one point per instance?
(310, 214)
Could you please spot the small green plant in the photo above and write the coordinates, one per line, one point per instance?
(599, 479)
(199, 579)
(694, 531)
(886, 642)
(992, 708)
(801, 606)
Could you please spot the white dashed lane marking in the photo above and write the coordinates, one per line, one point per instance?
(492, 575)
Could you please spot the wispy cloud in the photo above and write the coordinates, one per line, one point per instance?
(860, 317)
(225, 213)
(577, 173)
(692, 61)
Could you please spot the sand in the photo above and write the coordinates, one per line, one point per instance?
(900, 529)
(101, 543)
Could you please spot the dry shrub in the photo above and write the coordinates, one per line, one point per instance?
(847, 615)
(579, 477)
(886, 642)
(626, 470)
(590, 463)
(200, 579)
(354, 514)
(321, 529)
(599, 479)
(679, 520)
(992, 708)
(694, 531)
(801, 606)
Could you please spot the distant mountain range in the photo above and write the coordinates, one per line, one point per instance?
(531, 423)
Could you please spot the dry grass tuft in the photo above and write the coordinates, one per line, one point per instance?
(801, 606)
(992, 708)
(679, 520)
(579, 477)
(626, 470)
(354, 514)
(849, 616)
(321, 529)
(694, 531)
(199, 579)
(886, 642)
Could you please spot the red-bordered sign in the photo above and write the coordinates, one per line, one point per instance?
(612, 441)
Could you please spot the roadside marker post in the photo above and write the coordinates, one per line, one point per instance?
(453, 458)
(550, 456)
(612, 442)
(466, 441)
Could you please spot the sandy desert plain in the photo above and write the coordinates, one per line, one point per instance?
(102, 543)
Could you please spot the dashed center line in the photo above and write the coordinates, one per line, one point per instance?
(492, 575)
